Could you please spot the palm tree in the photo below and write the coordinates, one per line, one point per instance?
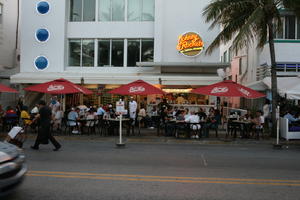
(246, 21)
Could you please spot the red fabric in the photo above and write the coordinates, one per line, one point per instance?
(59, 86)
(138, 87)
(4, 88)
(228, 89)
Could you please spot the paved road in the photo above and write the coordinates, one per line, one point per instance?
(97, 170)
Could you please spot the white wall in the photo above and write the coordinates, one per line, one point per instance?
(54, 48)
(178, 17)
(8, 32)
(172, 18)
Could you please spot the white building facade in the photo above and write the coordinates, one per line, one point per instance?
(114, 42)
(9, 48)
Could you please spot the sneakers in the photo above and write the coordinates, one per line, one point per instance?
(197, 136)
(75, 132)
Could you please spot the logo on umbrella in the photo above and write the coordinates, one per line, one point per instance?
(136, 89)
(78, 88)
(55, 88)
(245, 92)
(219, 90)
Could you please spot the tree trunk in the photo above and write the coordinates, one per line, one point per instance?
(273, 77)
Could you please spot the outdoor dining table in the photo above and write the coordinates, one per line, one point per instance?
(245, 126)
(115, 124)
(186, 126)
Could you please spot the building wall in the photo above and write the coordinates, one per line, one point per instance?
(172, 18)
(54, 48)
(8, 51)
(8, 33)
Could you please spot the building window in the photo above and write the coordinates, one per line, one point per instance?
(81, 52)
(104, 53)
(82, 10)
(88, 52)
(240, 66)
(147, 50)
(1, 13)
(225, 57)
(290, 28)
(139, 50)
(111, 10)
(74, 52)
(111, 53)
(133, 52)
(230, 54)
(140, 10)
(298, 28)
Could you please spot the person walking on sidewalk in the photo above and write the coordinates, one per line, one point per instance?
(44, 133)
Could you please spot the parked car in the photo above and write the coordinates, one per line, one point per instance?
(12, 167)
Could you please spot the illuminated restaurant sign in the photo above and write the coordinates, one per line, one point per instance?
(190, 44)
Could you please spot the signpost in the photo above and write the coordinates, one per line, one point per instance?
(277, 145)
(120, 109)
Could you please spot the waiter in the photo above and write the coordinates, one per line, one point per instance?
(44, 133)
(132, 109)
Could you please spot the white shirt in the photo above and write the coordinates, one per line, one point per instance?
(58, 115)
(192, 119)
(266, 110)
(132, 106)
(35, 110)
(142, 112)
(55, 106)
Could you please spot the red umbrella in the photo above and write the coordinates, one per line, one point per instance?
(58, 86)
(228, 89)
(4, 88)
(138, 87)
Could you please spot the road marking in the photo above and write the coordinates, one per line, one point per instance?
(170, 179)
(204, 161)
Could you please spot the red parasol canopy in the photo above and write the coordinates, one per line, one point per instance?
(4, 88)
(228, 89)
(58, 86)
(138, 87)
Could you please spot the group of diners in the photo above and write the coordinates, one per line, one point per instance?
(194, 124)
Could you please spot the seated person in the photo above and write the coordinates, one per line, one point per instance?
(73, 116)
(212, 121)
(111, 112)
(11, 116)
(258, 122)
(153, 112)
(248, 115)
(57, 118)
(100, 111)
(90, 118)
(142, 116)
(193, 118)
(25, 116)
(201, 114)
(290, 115)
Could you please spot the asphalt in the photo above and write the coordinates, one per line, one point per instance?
(91, 167)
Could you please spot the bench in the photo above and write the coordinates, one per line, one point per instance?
(287, 132)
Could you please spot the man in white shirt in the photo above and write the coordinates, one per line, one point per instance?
(193, 118)
(132, 108)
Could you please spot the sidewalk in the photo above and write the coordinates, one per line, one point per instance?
(151, 137)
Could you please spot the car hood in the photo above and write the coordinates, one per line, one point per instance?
(7, 152)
